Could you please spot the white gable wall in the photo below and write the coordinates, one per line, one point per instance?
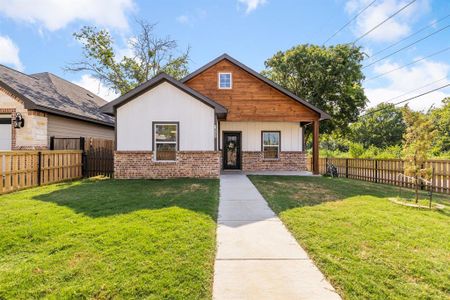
(165, 103)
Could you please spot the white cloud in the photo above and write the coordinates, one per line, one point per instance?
(392, 30)
(183, 19)
(191, 18)
(95, 86)
(251, 5)
(54, 15)
(9, 53)
(408, 79)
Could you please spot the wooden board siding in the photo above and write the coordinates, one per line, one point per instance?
(71, 128)
(250, 99)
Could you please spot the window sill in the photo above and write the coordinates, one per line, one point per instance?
(271, 159)
(165, 161)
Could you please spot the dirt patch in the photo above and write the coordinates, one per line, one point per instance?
(314, 191)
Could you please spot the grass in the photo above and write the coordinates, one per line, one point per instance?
(367, 246)
(103, 239)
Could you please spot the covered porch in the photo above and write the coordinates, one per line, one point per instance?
(274, 145)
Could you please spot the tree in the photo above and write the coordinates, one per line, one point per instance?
(441, 119)
(150, 55)
(382, 126)
(328, 77)
(417, 144)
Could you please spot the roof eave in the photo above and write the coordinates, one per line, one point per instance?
(73, 116)
(28, 103)
(109, 107)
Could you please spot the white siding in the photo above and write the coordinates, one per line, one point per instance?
(165, 103)
(291, 134)
(65, 127)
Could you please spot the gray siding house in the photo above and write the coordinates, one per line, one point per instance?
(36, 107)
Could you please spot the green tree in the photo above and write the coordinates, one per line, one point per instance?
(382, 126)
(441, 119)
(417, 144)
(150, 55)
(328, 77)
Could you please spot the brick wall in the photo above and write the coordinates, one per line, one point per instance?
(140, 164)
(288, 161)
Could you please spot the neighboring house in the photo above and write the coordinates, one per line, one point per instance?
(36, 107)
(222, 116)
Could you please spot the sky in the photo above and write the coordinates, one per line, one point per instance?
(37, 36)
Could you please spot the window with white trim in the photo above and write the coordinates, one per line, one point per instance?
(225, 80)
(271, 144)
(165, 141)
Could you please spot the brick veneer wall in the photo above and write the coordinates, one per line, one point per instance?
(288, 161)
(140, 164)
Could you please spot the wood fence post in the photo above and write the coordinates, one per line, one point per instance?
(52, 143)
(39, 167)
(346, 168)
(376, 171)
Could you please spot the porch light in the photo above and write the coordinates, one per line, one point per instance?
(19, 121)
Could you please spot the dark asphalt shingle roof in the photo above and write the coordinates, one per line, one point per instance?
(50, 93)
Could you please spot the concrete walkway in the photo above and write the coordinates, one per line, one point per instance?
(257, 258)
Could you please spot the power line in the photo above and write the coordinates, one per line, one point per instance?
(411, 35)
(408, 64)
(409, 99)
(350, 21)
(384, 21)
(407, 46)
(419, 88)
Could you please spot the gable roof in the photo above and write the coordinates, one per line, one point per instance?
(155, 81)
(323, 115)
(50, 93)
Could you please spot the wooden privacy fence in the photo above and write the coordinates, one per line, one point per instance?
(24, 169)
(98, 154)
(98, 161)
(386, 171)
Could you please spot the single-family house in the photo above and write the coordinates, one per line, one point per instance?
(34, 108)
(223, 116)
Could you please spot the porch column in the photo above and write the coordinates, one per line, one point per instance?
(315, 156)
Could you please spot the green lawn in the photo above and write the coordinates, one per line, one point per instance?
(367, 246)
(102, 239)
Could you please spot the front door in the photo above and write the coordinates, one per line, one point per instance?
(231, 150)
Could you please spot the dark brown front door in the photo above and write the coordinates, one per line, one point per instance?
(231, 150)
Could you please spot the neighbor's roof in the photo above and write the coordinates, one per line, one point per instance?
(155, 81)
(323, 115)
(50, 93)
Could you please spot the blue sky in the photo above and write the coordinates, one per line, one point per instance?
(36, 35)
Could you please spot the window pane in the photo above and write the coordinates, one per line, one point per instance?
(165, 151)
(166, 132)
(271, 138)
(270, 152)
(225, 80)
